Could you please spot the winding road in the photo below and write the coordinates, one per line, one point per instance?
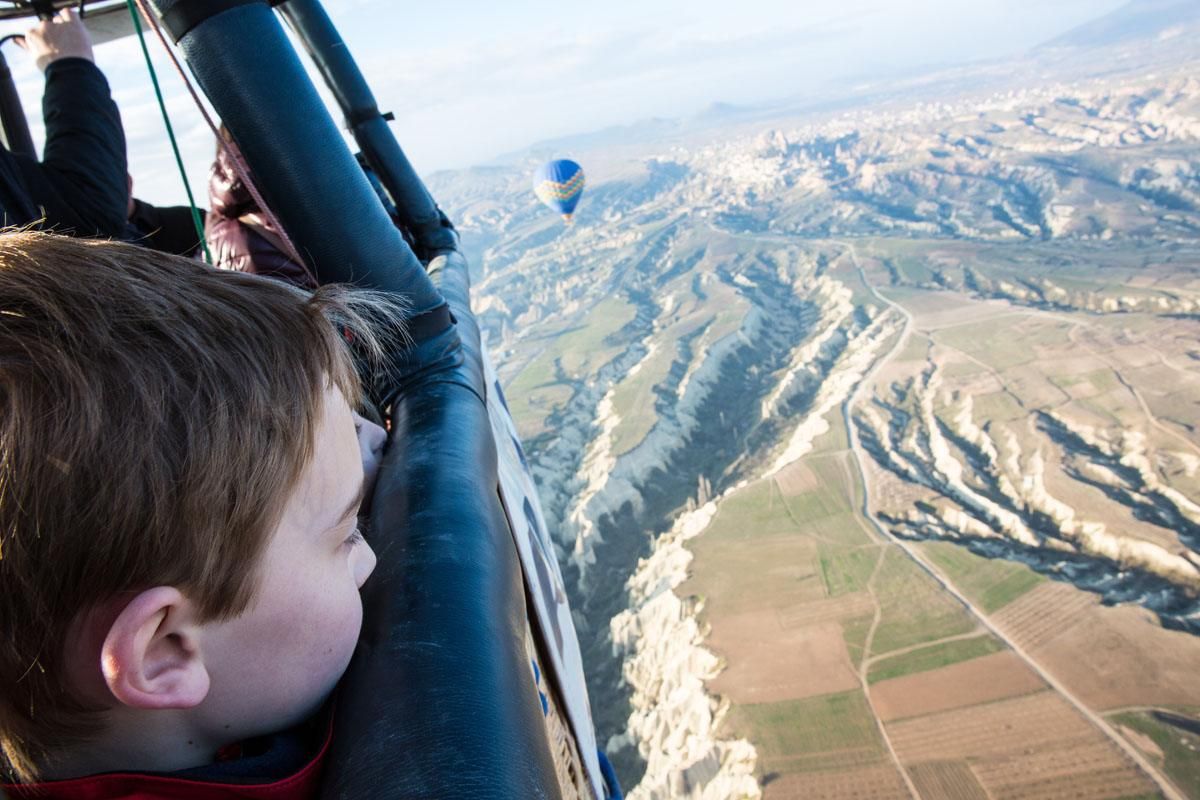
(860, 457)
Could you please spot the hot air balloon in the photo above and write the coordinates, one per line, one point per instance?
(559, 184)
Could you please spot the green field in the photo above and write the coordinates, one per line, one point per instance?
(787, 734)
(846, 569)
(912, 270)
(933, 657)
(1180, 748)
(915, 609)
(979, 340)
(583, 349)
(633, 401)
(831, 498)
(634, 398)
(751, 556)
(752, 511)
(538, 389)
(990, 583)
(854, 632)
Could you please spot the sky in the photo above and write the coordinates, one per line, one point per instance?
(490, 78)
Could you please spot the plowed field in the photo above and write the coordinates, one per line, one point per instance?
(1028, 747)
(1001, 729)
(773, 664)
(946, 780)
(879, 783)
(980, 680)
(1037, 617)
(1109, 657)
(1074, 769)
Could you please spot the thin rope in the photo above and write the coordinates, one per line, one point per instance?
(137, 25)
(235, 153)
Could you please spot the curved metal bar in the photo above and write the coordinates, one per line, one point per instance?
(16, 9)
(244, 63)
(418, 211)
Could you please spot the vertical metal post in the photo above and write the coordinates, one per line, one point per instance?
(12, 116)
(416, 207)
(243, 61)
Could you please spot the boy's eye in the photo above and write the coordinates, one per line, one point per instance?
(355, 537)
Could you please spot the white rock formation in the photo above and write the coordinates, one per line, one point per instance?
(833, 298)
(860, 353)
(674, 721)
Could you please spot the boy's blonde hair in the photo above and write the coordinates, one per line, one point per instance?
(154, 415)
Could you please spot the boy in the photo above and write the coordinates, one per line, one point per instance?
(179, 554)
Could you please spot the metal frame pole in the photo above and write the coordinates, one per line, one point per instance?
(243, 61)
(12, 115)
(418, 211)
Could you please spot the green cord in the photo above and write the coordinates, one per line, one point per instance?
(137, 26)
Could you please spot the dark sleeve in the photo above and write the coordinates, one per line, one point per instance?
(80, 184)
(170, 229)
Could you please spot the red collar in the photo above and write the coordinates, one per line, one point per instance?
(302, 785)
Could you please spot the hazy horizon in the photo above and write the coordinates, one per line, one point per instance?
(467, 89)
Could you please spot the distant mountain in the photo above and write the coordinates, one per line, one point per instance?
(641, 132)
(721, 110)
(1140, 19)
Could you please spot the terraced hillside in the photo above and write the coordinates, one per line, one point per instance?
(869, 437)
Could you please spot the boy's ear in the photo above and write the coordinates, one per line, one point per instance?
(151, 655)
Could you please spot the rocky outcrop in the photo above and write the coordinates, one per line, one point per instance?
(994, 497)
(836, 387)
(674, 721)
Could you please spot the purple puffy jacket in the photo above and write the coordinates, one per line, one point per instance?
(239, 235)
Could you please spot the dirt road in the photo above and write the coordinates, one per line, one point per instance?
(860, 457)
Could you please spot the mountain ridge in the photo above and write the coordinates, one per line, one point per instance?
(1136, 20)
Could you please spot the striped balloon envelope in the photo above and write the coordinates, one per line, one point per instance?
(559, 184)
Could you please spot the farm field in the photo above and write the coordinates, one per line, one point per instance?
(923, 659)
(1168, 740)
(1031, 746)
(984, 679)
(548, 366)
(807, 604)
(1014, 395)
(830, 634)
(1111, 657)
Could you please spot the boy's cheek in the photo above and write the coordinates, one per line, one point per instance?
(307, 645)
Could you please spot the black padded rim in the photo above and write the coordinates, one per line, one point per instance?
(431, 323)
(182, 17)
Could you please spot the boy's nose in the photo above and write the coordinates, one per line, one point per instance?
(371, 441)
(364, 564)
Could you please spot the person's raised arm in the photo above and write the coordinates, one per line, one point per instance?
(80, 184)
